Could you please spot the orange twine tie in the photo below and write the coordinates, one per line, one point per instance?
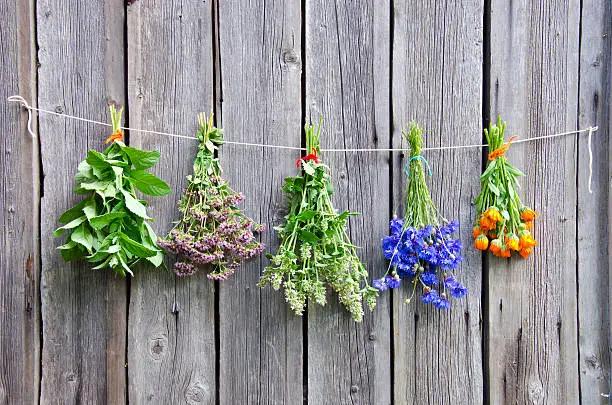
(502, 150)
(117, 135)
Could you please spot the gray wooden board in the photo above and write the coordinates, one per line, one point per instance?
(19, 199)
(171, 333)
(533, 356)
(347, 78)
(437, 82)
(593, 264)
(260, 71)
(80, 72)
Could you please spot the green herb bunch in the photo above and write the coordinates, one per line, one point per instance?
(315, 250)
(110, 226)
(212, 230)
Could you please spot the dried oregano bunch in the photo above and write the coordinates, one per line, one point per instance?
(315, 251)
(212, 230)
(503, 223)
(110, 225)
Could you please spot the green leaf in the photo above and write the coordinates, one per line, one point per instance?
(141, 159)
(135, 248)
(134, 205)
(96, 185)
(307, 236)
(308, 168)
(70, 225)
(98, 163)
(71, 251)
(90, 209)
(156, 260)
(514, 171)
(82, 235)
(74, 212)
(489, 169)
(210, 146)
(505, 214)
(101, 221)
(149, 184)
(306, 215)
(493, 188)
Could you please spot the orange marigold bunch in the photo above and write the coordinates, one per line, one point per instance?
(503, 223)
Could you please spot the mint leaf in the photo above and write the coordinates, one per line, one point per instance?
(134, 247)
(82, 236)
(149, 184)
(134, 205)
(70, 225)
(141, 159)
(101, 221)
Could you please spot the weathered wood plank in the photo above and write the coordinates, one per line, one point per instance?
(347, 79)
(19, 199)
(533, 307)
(437, 81)
(171, 332)
(83, 311)
(260, 70)
(593, 264)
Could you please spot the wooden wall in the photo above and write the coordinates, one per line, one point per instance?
(533, 331)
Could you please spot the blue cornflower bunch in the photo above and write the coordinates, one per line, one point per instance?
(420, 246)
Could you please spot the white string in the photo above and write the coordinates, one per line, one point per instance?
(25, 104)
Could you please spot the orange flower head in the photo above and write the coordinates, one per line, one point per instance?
(526, 240)
(493, 214)
(495, 246)
(505, 252)
(528, 225)
(525, 252)
(528, 214)
(481, 242)
(117, 135)
(512, 241)
(486, 224)
(476, 231)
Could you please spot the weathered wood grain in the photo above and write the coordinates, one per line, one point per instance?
(171, 332)
(19, 199)
(437, 81)
(593, 263)
(260, 345)
(347, 78)
(533, 356)
(83, 311)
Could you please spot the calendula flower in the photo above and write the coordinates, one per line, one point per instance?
(528, 215)
(493, 214)
(512, 241)
(526, 240)
(495, 246)
(481, 242)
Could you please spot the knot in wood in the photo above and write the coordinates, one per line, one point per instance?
(196, 393)
(290, 57)
(59, 109)
(158, 346)
(354, 389)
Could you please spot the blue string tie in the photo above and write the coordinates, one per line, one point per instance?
(407, 166)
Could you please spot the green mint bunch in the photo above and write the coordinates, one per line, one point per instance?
(110, 226)
(315, 251)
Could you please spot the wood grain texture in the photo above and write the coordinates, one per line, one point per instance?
(347, 78)
(593, 262)
(171, 333)
(19, 199)
(437, 81)
(83, 312)
(533, 356)
(260, 70)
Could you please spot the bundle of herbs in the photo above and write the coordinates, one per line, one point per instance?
(315, 251)
(421, 248)
(212, 229)
(503, 223)
(110, 226)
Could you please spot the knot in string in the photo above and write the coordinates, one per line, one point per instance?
(502, 150)
(311, 156)
(407, 166)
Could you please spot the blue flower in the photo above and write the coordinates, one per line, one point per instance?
(389, 244)
(395, 226)
(392, 282)
(430, 296)
(442, 303)
(380, 284)
(457, 290)
(429, 278)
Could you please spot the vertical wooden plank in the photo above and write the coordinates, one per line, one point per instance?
(593, 264)
(260, 341)
(19, 199)
(533, 306)
(83, 311)
(437, 81)
(171, 330)
(347, 79)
